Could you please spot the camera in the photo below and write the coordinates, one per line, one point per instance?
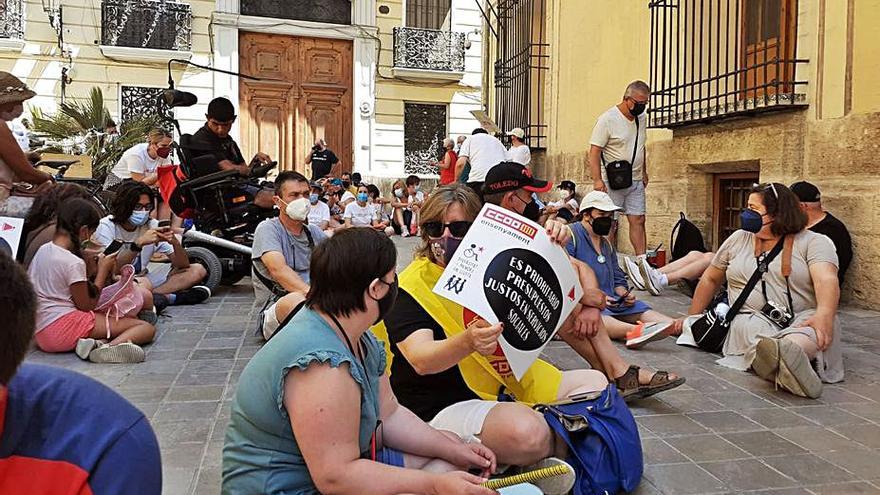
(778, 314)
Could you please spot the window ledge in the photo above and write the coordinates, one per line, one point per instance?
(426, 75)
(146, 55)
(11, 45)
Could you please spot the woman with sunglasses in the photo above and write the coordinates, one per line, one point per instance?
(315, 412)
(441, 351)
(787, 331)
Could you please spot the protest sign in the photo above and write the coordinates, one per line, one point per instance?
(507, 270)
(10, 234)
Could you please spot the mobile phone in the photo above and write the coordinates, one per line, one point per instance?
(164, 224)
(623, 297)
(113, 247)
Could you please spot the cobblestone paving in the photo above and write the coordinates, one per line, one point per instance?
(722, 432)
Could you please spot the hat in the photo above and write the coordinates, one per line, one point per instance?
(315, 185)
(221, 109)
(599, 200)
(567, 184)
(510, 176)
(806, 192)
(518, 132)
(12, 90)
(336, 182)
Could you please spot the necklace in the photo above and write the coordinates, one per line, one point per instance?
(600, 259)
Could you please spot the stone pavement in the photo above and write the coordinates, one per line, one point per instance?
(722, 432)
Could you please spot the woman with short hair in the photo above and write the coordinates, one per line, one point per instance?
(315, 412)
(140, 162)
(447, 163)
(787, 331)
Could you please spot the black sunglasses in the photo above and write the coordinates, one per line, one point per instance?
(435, 229)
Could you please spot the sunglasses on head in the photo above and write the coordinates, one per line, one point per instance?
(769, 186)
(435, 229)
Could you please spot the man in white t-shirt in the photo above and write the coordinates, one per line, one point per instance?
(620, 135)
(319, 212)
(519, 150)
(483, 152)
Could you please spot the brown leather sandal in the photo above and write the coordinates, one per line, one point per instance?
(660, 382)
(628, 383)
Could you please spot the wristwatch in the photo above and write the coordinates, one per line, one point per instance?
(134, 248)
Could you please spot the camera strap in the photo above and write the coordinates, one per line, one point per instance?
(763, 262)
(786, 271)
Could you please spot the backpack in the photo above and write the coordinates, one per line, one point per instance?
(603, 441)
(689, 238)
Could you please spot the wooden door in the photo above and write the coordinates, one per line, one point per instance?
(305, 93)
(768, 33)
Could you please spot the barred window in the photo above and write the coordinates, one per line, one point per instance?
(522, 57)
(330, 11)
(424, 128)
(715, 58)
(428, 14)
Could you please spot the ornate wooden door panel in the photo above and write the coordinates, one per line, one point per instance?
(310, 96)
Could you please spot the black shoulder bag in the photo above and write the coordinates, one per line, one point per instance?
(710, 330)
(620, 172)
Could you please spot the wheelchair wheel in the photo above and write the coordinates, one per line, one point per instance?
(210, 261)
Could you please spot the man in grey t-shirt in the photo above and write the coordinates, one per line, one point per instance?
(281, 251)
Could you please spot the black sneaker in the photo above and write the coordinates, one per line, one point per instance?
(160, 302)
(196, 295)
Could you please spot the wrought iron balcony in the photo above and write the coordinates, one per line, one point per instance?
(11, 19)
(428, 49)
(157, 24)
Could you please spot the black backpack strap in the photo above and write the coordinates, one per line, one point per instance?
(763, 266)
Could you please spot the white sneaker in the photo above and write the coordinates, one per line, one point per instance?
(645, 333)
(632, 271)
(125, 352)
(84, 347)
(652, 277)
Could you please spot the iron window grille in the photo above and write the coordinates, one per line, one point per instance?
(428, 14)
(521, 62)
(428, 49)
(329, 11)
(12, 19)
(711, 59)
(158, 24)
(424, 128)
(139, 101)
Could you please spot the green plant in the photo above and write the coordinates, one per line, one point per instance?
(78, 128)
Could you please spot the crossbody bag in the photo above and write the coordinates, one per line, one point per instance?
(620, 172)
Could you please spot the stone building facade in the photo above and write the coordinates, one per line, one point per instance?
(812, 115)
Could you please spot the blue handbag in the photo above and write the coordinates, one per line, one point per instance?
(603, 441)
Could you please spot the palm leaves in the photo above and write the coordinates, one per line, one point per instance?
(78, 128)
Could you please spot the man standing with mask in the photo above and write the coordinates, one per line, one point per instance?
(281, 251)
(322, 159)
(619, 136)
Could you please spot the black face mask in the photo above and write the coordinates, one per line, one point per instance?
(637, 108)
(386, 302)
(346, 184)
(602, 225)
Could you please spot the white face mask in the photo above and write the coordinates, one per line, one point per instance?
(398, 192)
(298, 209)
(563, 194)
